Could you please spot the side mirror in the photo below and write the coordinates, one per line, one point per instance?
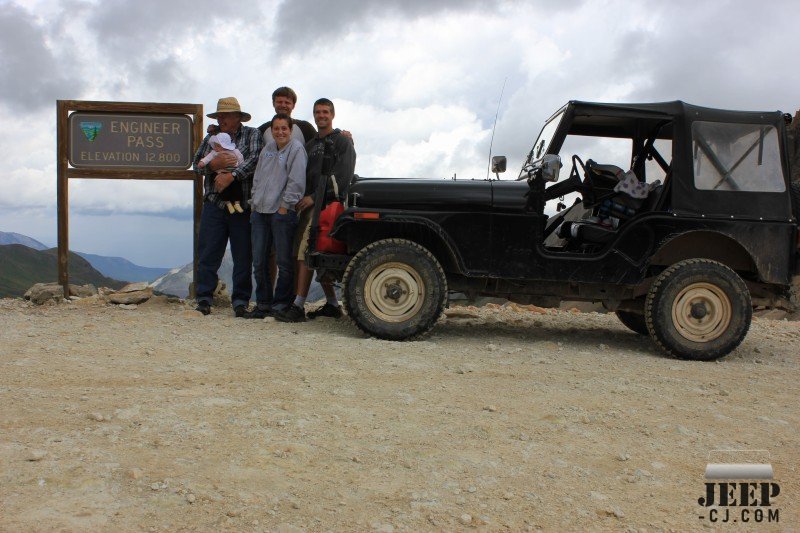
(551, 165)
(498, 164)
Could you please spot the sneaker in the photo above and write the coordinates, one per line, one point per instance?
(292, 314)
(239, 311)
(258, 313)
(203, 307)
(329, 310)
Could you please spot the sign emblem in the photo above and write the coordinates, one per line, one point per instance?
(91, 129)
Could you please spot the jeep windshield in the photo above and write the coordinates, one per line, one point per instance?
(542, 142)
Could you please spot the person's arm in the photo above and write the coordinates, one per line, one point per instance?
(345, 165)
(250, 151)
(296, 182)
(201, 151)
(207, 159)
(306, 129)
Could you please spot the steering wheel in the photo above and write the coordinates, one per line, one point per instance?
(587, 186)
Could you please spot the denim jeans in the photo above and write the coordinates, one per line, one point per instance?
(216, 227)
(273, 230)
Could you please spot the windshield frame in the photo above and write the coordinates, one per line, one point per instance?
(536, 152)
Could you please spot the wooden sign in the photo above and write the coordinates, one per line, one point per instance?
(124, 140)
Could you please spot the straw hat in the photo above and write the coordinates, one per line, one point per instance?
(229, 105)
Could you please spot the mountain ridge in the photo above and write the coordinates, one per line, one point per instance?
(24, 266)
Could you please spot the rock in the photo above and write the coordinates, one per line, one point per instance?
(44, 292)
(491, 347)
(36, 455)
(41, 293)
(221, 297)
(97, 417)
(490, 408)
(771, 314)
(130, 297)
(83, 291)
(460, 313)
(135, 473)
(156, 301)
(90, 300)
(191, 498)
(129, 307)
(135, 287)
(623, 457)
(465, 519)
(582, 307)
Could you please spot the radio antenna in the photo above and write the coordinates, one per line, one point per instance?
(494, 126)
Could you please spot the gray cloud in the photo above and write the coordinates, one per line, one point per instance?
(32, 76)
(303, 22)
(739, 49)
(141, 37)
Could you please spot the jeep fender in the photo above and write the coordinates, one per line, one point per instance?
(706, 244)
(359, 233)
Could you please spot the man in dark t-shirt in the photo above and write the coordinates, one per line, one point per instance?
(283, 100)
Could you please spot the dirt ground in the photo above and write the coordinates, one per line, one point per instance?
(157, 419)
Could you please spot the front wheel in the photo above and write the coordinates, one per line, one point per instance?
(394, 289)
(698, 309)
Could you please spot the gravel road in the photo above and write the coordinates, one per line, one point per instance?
(504, 418)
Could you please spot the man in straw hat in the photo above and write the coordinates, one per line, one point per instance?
(217, 225)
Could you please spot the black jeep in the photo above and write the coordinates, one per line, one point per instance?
(691, 227)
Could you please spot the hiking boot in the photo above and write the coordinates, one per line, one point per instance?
(203, 307)
(258, 313)
(239, 311)
(329, 310)
(292, 314)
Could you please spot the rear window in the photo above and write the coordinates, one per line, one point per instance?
(736, 157)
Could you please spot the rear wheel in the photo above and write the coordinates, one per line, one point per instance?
(698, 309)
(394, 289)
(633, 321)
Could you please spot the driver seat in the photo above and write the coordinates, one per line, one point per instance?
(588, 230)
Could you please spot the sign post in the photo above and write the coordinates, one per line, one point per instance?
(124, 140)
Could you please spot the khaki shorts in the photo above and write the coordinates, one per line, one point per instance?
(302, 234)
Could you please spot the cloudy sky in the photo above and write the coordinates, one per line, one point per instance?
(417, 82)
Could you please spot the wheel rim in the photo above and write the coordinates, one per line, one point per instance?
(394, 292)
(701, 312)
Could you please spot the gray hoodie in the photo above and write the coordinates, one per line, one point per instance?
(280, 177)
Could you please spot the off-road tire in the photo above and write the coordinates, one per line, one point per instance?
(394, 289)
(698, 286)
(633, 321)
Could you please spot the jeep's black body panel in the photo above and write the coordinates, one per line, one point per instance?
(485, 225)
